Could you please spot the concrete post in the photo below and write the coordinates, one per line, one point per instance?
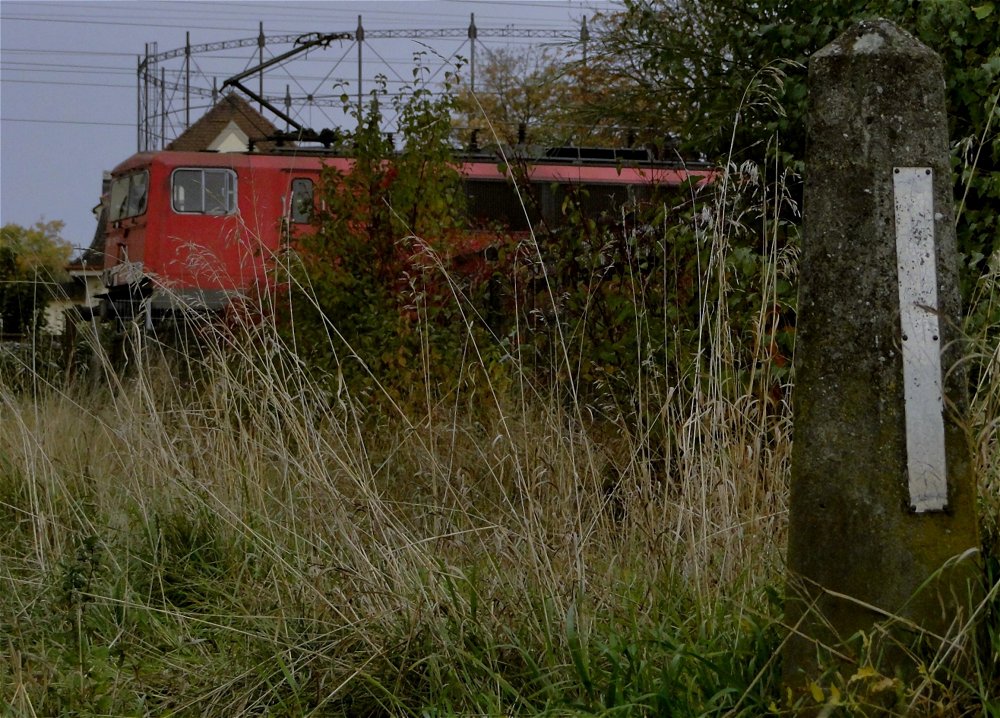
(882, 494)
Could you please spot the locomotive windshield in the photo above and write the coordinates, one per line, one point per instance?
(128, 195)
(204, 191)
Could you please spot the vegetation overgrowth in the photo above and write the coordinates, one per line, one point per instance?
(668, 74)
(216, 531)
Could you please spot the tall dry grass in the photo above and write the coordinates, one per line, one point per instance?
(212, 531)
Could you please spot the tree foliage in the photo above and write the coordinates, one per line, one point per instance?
(538, 97)
(32, 260)
(517, 96)
(730, 78)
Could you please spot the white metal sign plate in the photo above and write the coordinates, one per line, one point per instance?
(921, 344)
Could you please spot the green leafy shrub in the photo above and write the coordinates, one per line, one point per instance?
(380, 289)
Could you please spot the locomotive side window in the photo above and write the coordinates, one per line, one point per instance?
(137, 194)
(302, 200)
(204, 191)
(128, 195)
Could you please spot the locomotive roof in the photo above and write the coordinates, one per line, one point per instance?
(475, 167)
(233, 160)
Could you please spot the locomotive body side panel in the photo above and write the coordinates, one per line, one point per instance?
(200, 228)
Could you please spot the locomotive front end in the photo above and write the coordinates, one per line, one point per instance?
(125, 234)
(187, 231)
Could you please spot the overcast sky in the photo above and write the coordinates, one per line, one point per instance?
(68, 87)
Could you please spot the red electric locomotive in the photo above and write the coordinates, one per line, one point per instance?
(192, 229)
(195, 229)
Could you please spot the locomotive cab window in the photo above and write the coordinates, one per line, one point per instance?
(302, 200)
(128, 195)
(203, 191)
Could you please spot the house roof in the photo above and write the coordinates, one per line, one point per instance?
(230, 109)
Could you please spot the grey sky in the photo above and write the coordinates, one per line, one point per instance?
(68, 95)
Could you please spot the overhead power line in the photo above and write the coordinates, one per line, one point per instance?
(67, 84)
(66, 122)
(51, 51)
(10, 65)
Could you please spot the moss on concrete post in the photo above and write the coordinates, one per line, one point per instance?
(865, 543)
